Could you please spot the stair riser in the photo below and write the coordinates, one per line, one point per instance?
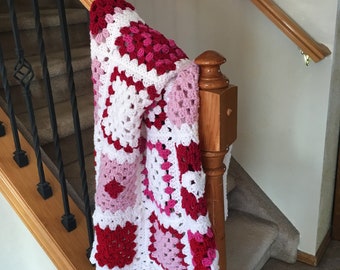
(78, 34)
(64, 118)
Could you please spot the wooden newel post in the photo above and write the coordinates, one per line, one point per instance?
(217, 131)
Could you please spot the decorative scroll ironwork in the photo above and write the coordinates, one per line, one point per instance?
(23, 72)
(19, 155)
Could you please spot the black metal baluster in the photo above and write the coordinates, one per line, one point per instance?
(4, 77)
(23, 72)
(2, 129)
(76, 122)
(19, 155)
(67, 219)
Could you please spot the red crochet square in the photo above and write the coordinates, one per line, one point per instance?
(101, 7)
(149, 47)
(203, 249)
(189, 157)
(116, 248)
(194, 207)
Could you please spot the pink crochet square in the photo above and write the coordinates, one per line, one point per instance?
(183, 97)
(117, 185)
(166, 247)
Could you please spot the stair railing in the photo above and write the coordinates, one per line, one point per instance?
(309, 47)
(68, 219)
(23, 72)
(75, 114)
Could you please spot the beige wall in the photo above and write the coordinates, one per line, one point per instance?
(283, 105)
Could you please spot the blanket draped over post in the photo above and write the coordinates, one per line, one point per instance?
(150, 212)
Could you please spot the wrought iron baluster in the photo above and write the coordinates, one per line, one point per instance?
(19, 155)
(23, 72)
(75, 114)
(68, 219)
(2, 129)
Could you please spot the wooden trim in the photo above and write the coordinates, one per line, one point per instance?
(287, 25)
(86, 3)
(42, 217)
(315, 259)
(336, 207)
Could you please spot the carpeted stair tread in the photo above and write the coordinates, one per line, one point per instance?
(249, 240)
(64, 118)
(250, 198)
(56, 63)
(48, 18)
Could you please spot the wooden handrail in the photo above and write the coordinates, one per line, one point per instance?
(86, 3)
(316, 51)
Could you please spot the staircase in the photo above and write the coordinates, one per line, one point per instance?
(256, 230)
(77, 18)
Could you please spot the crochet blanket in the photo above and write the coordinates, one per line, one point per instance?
(150, 212)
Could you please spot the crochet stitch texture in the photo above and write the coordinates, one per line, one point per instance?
(150, 212)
